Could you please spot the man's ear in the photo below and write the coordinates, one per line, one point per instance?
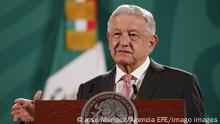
(153, 42)
(108, 36)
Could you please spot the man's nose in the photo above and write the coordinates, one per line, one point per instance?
(124, 40)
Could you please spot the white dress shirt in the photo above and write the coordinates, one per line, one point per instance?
(138, 75)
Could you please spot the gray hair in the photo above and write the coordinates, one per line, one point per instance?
(135, 10)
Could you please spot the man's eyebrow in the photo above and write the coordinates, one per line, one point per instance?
(116, 29)
(132, 30)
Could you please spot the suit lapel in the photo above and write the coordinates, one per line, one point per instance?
(148, 86)
(150, 81)
(109, 81)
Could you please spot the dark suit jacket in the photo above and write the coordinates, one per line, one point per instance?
(160, 82)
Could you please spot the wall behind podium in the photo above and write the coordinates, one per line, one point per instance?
(32, 44)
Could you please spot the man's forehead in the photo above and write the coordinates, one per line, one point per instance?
(127, 20)
(119, 29)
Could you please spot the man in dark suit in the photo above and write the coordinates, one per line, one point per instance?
(160, 82)
(131, 36)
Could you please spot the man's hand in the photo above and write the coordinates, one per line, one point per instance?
(23, 109)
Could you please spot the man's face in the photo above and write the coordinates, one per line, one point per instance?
(129, 41)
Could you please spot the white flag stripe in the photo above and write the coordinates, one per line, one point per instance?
(80, 1)
(81, 25)
(66, 81)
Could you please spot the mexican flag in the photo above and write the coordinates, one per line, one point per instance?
(80, 39)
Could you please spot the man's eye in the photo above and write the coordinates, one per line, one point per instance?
(133, 36)
(116, 35)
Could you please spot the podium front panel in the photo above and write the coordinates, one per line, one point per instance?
(69, 111)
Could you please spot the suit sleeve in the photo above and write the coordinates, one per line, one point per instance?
(193, 98)
(80, 92)
(26, 123)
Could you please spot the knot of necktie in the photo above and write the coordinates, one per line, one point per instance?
(127, 78)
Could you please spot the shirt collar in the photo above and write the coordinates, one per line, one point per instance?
(137, 73)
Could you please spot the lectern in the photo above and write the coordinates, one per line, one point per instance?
(159, 111)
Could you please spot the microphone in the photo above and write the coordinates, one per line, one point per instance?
(55, 93)
(135, 91)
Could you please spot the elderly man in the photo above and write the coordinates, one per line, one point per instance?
(131, 37)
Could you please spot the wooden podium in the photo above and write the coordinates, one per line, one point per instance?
(67, 111)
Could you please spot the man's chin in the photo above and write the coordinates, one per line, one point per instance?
(124, 62)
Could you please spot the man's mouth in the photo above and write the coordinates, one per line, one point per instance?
(123, 51)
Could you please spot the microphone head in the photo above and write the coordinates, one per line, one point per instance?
(134, 88)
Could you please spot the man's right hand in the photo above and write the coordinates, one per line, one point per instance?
(23, 109)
